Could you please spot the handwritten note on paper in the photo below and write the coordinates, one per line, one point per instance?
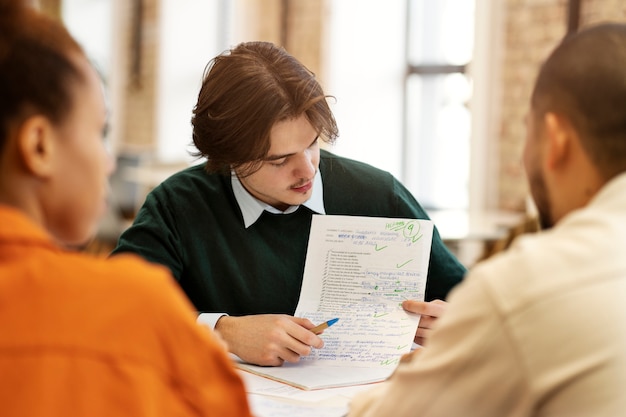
(364, 260)
(360, 269)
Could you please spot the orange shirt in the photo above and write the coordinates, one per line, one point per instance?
(84, 336)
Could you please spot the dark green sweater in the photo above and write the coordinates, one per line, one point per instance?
(192, 224)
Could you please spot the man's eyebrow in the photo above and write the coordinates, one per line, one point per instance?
(276, 157)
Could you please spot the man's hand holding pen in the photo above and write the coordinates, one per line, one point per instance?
(269, 339)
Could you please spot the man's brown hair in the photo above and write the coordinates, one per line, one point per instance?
(244, 93)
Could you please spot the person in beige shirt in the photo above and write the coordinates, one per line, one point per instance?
(539, 330)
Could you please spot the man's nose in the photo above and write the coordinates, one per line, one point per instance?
(305, 166)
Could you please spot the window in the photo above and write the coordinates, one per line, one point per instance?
(191, 34)
(90, 22)
(437, 122)
(398, 71)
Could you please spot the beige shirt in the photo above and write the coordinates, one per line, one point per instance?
(539, 330)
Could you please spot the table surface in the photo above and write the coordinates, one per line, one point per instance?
(269, 398)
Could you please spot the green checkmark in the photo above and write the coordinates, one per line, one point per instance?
(401, 265)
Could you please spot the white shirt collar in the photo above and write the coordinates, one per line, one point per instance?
(252, 208)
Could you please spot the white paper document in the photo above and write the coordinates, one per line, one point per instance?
(263, 406)
(268, 398)
(358, 269)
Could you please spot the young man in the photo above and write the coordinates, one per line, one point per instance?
(234, 231)
(539, 329)
(82, 336)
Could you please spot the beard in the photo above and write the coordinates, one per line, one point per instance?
(539, 192)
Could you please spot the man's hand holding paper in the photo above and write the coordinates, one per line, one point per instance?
(429, 313)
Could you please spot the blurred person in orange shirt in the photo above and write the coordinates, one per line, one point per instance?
(82, 336)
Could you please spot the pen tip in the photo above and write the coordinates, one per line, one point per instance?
(333, 321)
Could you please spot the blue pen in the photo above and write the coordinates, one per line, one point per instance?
(320, 327)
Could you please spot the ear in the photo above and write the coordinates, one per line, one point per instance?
(559, 134)
(36, 145)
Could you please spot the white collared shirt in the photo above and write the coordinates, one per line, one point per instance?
(252, 208)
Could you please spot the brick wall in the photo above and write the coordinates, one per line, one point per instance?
(294, 24)
(595, 11)
(532, 29)
(304, 33)
(137, 123)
